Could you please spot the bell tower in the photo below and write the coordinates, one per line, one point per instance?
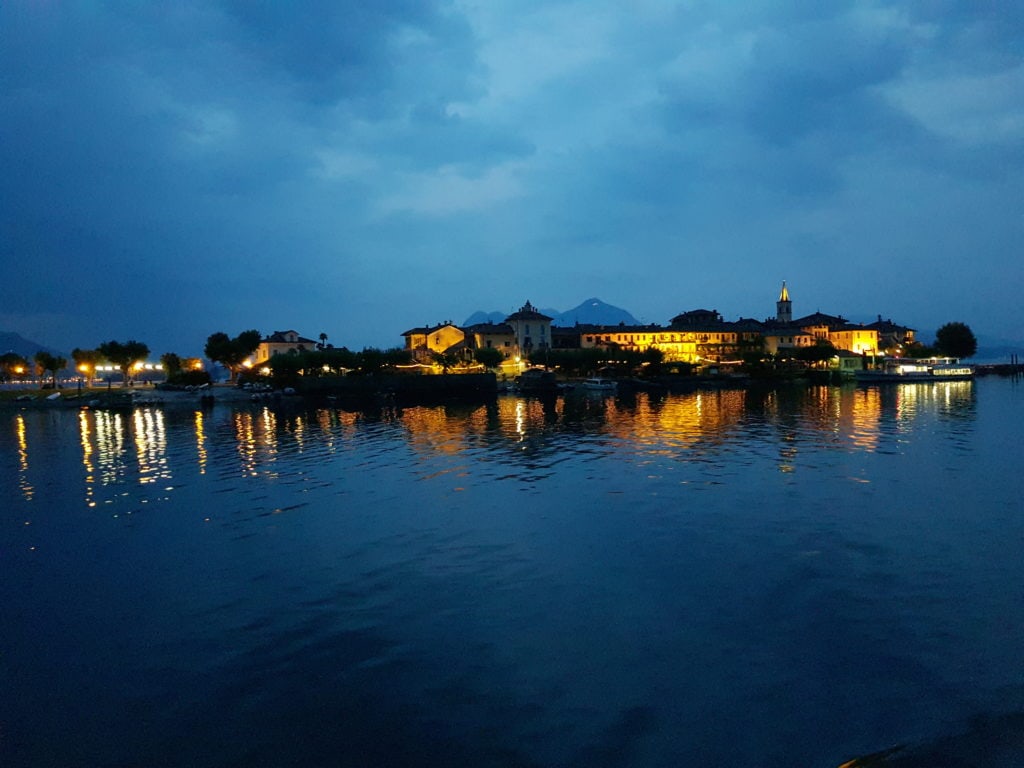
(784, 307)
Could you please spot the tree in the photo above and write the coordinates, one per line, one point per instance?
(12, 366)
(172, 364)
(445, 359)
(488, 357)
(86, 361)
(124, 355)
(653, 361)
(956, 340)
(821, 351)
(323, 341)
(232, 352)
(48, 363)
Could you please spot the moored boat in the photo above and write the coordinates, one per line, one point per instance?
(901, 369)
(599, 385)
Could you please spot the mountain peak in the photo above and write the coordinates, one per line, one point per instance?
(590, 311)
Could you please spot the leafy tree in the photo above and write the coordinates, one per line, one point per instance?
(288, 367)
(86, 360)
(12, 366)
(47, 363)
(489, 357)
(172, 364)
(821, 351)
(323, 341)
(956, 340)
(232, 352)
(653, 361)
(918, 350)
(373, 360)
(572, 362)
(446, 360)
(338, 360)
(124, 355)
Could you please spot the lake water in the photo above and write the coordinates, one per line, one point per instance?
(785, 578)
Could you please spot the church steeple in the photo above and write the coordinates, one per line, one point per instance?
(784, 307)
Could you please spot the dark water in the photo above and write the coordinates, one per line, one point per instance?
(787, 578)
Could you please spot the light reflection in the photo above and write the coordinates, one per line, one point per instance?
(150, 445)
(269, 433)
(200, 430)
(865, 413)
(27, 491)
(109, 446)
(245, 439)
(87, 451)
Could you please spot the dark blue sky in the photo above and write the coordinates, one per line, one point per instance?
(171, 170)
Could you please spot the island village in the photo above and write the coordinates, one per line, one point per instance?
(699, 338)
(528, 349)
(698, 341)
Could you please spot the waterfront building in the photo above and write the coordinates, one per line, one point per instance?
(714, 339)
(674, 345)
(498, 336)
(278, 343)
(893, 339)
(443, 338)
(531, 330)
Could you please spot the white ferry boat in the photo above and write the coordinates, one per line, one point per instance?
(904, 369)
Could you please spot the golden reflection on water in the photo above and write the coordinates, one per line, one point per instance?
(850, 418)
(245, 440)
(200, 429)
(85, 436)
(865, 414)
(27, 491)
(150, 445)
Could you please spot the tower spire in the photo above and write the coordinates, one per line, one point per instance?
(784, 307)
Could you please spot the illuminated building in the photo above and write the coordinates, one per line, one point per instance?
(280, 343)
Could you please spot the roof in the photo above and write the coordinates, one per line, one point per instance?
(494, 328)
(429, 329)
(819, 319)
(280, 337)
(784, 296)
(527, 312)
(888, 326)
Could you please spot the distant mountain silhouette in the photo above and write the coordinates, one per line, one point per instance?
(15, 342)
(485, 317)
(592, 311)
(596, 312)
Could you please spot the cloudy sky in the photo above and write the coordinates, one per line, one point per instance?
(358, 168)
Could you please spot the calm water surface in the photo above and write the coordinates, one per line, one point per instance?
(779, 578)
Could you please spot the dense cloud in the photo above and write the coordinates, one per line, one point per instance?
(354, 168)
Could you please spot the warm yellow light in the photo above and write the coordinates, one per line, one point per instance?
(138, 366)
(83, 368)
(198, 365)
(247, 363)
(19, 369)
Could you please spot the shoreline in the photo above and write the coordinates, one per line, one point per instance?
(370, 390)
